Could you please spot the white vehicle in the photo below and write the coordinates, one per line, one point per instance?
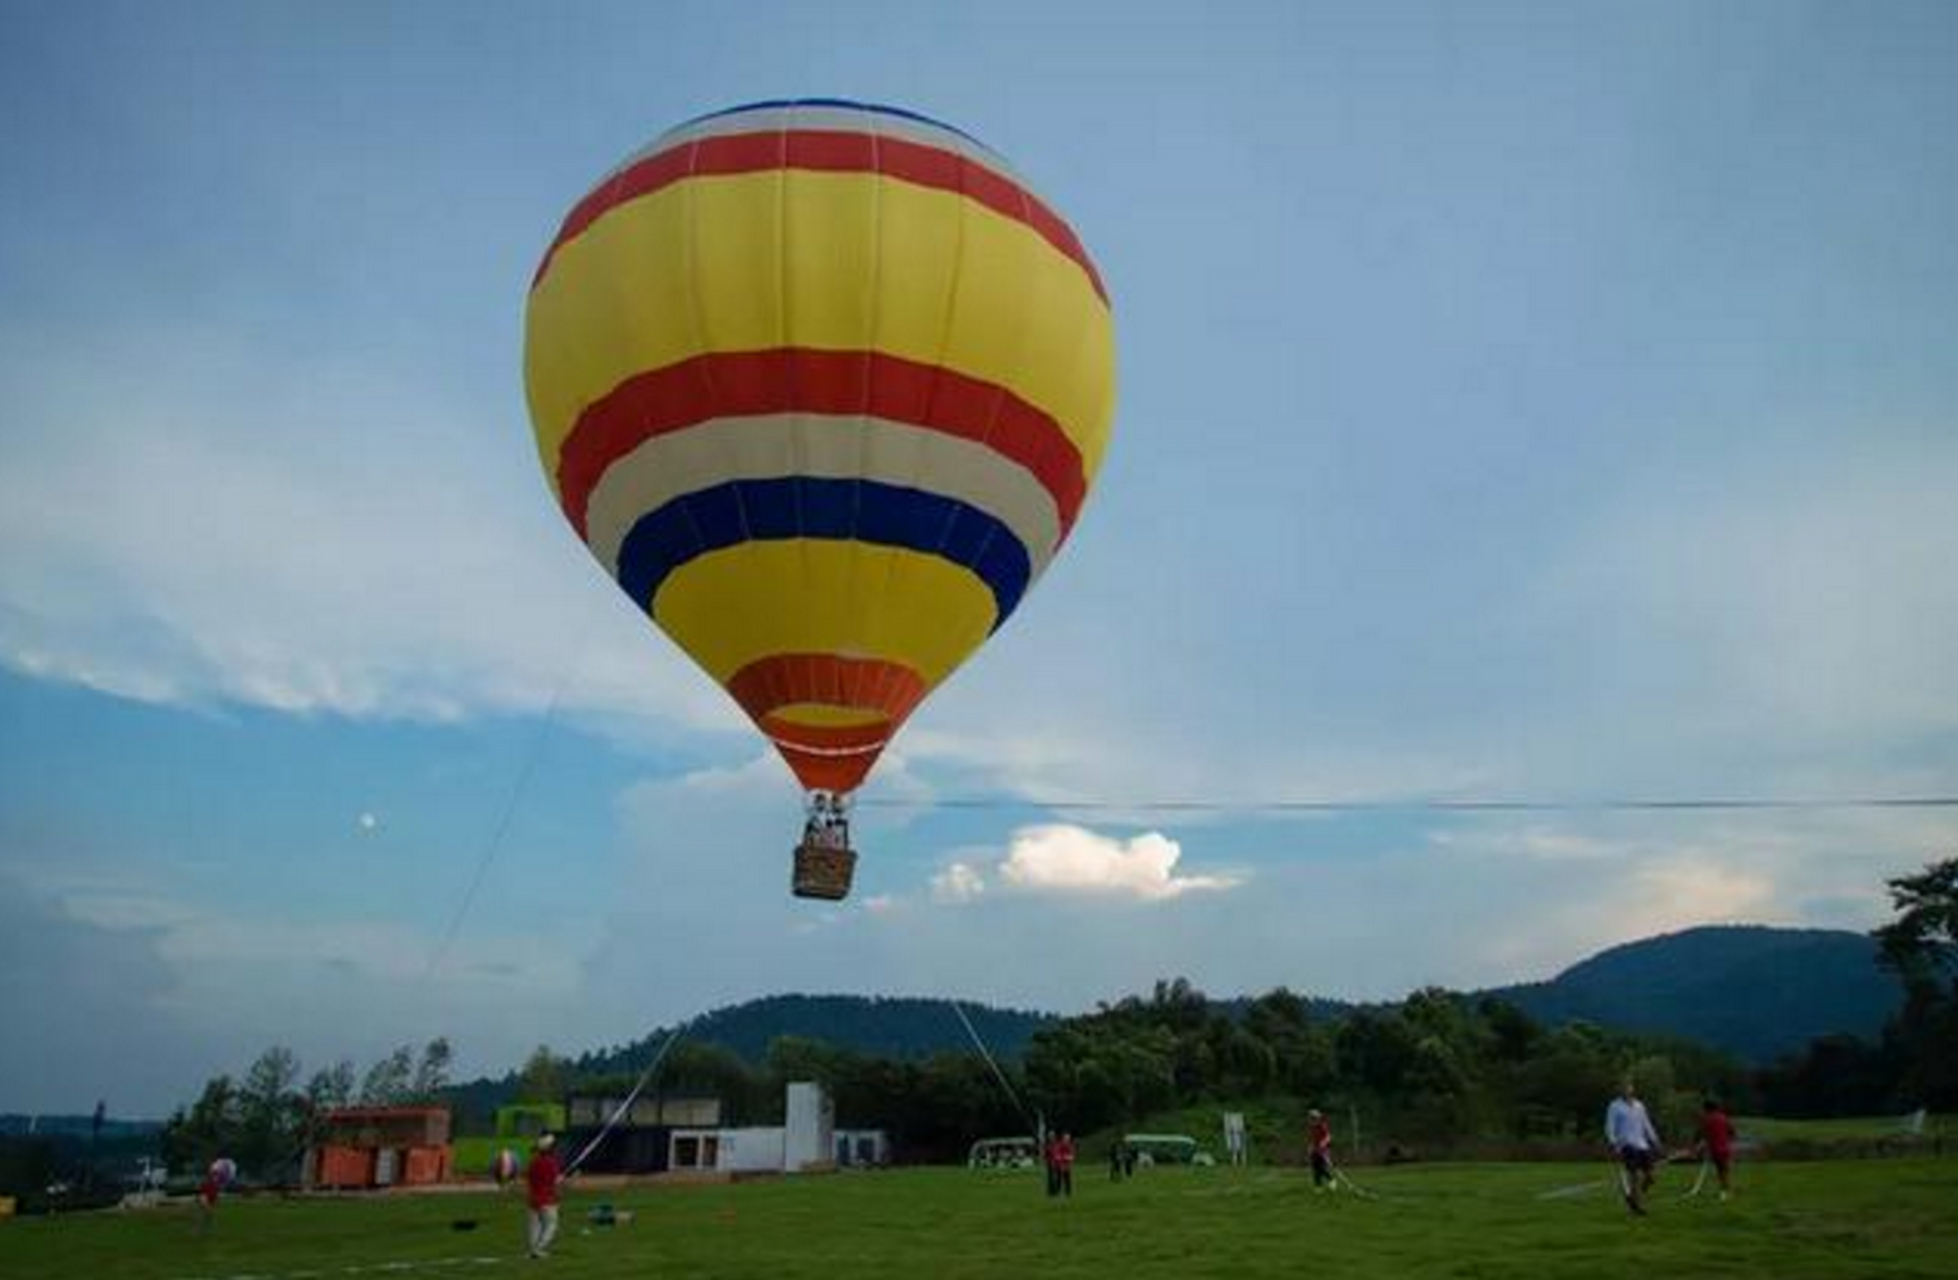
(1003, 1153)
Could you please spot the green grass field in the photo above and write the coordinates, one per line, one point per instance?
(1837, 1219)
(1768, 1129)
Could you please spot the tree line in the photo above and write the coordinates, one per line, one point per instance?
(264, 1119)
(1913, 1062)
(1436, 1071)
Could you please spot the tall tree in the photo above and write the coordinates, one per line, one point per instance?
(432, 1072)
(331, 1086)
(194, 1138)
(1921, 946)
(387, 1081)
(544, 1078)
(269, 1113)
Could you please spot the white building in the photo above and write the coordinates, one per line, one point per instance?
(808, 1142)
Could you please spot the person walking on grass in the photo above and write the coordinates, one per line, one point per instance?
(1319, 1148)
(1629, 1130)
(1716, 1144)
(542, 1178)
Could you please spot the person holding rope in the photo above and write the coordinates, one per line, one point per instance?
(1629, 1130)
(542, 1180)
(1716, 1144)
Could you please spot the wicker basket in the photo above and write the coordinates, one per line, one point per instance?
(823, 871)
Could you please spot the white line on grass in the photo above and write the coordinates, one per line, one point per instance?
(395, 1267)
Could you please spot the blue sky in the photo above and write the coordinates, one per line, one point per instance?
(1546, 401)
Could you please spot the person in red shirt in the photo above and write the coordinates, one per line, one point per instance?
(1717, 1143)
(207, 1199)
(1319, 1145)
(1060, 1165)
(542, 1178)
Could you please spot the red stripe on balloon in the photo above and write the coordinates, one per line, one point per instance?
(828, 151)
(803, 380)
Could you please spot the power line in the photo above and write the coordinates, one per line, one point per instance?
(1693, 804)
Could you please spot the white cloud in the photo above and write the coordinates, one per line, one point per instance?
(957, 883)
(1060, 858)
(197, 520)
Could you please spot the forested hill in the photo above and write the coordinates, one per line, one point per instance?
(901, 1027)
(1754, 991)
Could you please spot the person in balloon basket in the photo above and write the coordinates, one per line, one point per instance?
(1629, 1130)
(1319, 1147)
(1060, 1165)
(543, 1177)
(1716, 1143)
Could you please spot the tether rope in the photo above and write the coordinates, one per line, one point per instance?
(618, 1112)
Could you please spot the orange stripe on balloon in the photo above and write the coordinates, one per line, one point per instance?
(828, 758)
(865, 683)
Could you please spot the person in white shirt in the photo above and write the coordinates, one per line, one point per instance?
(1629, 1131)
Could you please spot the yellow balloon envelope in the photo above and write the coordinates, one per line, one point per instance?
(823, 386)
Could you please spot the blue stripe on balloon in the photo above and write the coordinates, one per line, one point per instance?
(884, 515)
(846, 104)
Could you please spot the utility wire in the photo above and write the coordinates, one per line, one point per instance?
(1695, 804)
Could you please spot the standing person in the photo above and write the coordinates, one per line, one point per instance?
(208, 1192)
(1319, 1146)
(1629, 1131)
(1115, 1160)
(1050, 1159)
(1064, 1165)
(1717, 1144)
(543, 1177)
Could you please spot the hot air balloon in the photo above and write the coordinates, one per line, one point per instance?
(823, 386)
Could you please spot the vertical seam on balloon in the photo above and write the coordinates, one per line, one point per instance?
(958, 507)
(999, 397)
(945, 323)
(985, 541)
(690, 222)
(611, 182)
(853, 612)
(799, 425)
(693, 289)
(854, 686)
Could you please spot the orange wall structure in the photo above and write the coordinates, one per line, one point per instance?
(382, 1146)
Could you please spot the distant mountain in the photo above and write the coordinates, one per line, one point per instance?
(14, 1125)
(901, 1027)
(1755, 991)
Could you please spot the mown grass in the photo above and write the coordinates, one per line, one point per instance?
(1875, 1218)
(1772, 1129)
